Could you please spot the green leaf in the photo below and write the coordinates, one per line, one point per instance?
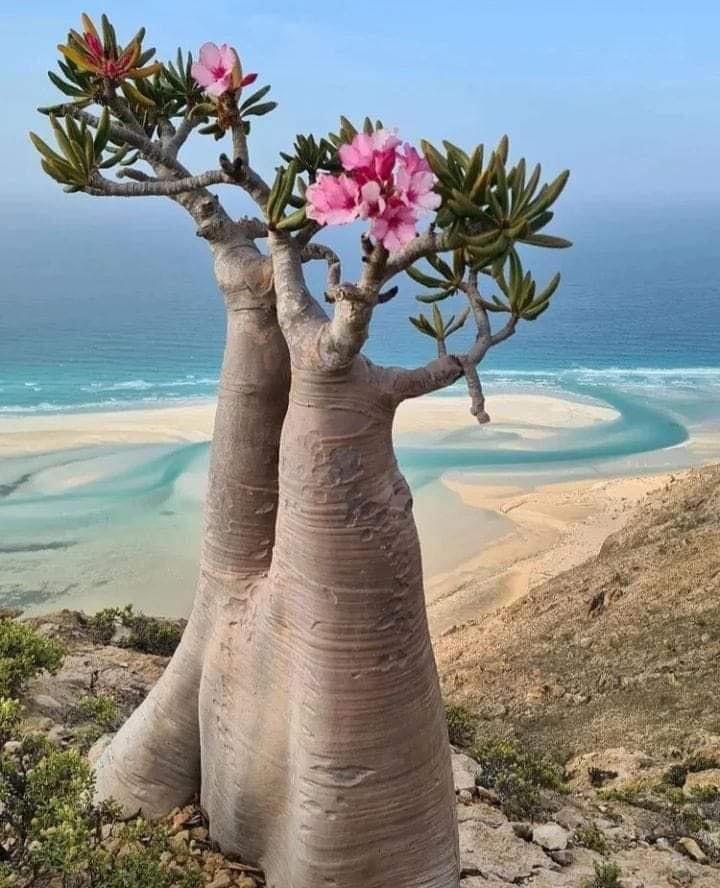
(102, 133)
(45, 149)
(548, 194)
(540, 221)
(425, 279)
(440, 265)
(546, 240)
(423, 325)
(65, 87)
(453, 327)
(255, 97)
(429, 298)
(293, 222)
(261, 109)
(549, 290)
(474, 169)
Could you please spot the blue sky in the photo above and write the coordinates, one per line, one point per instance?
(623, 93)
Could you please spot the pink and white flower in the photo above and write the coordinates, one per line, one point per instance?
(395, 226)
(391, 188)
(333, 200)
(218, 70)
(414, 182)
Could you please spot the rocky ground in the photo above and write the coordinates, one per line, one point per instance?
(611, 668)
(548, 850)
(621, 651)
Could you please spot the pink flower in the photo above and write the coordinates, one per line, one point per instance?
(218, 70)
(372, 202)
(395, 226)
(372, 157)
(414, 182)
(333, 200)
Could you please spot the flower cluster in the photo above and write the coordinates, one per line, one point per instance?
(218, 70)
(389, 184)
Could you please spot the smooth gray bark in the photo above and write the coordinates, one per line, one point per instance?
(154, 763)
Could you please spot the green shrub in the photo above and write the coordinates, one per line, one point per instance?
(699, 762)
(592, 837)
(53, 828)
(10, 711)
(23, 654)
(461, 724)
(607, 875)
(150, 635)
(99, 709)
(517, 775)
(676, 775)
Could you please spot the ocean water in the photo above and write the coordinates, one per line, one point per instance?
(105, 307)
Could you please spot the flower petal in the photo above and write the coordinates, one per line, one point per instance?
(209, 55)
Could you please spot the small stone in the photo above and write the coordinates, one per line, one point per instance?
(551, 837)
(692, 849)
(465, 772)
(681, 875)
(221, 880)
(58, 734)
(181, 838)
(568, 818)
(585, 642)
(12, 746)
(46, 705)
(178, 822)
(245, 882)
(564, 858)
(523, 831)
(199, 833)
(465, 796)
(489, 796)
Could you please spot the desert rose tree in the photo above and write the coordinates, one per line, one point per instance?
(303, 705)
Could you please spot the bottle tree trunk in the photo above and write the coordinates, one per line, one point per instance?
(325, 749)
(153, 763)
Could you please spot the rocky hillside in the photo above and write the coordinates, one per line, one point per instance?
(621, 651)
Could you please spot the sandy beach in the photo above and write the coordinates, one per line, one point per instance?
(487, 536)
(20, 435)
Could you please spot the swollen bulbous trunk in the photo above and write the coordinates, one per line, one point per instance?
(154, 763)
(325, 751)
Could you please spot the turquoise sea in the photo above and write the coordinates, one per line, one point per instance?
(103, 307)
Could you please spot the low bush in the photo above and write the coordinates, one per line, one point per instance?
(592, 838)
(23, 654)
(52, 829)
(607, 875)
(517, 776)
(150, 635)
(462, 725)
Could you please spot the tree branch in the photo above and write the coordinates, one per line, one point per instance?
(299, 313)
(243, 175)
(438, 374)
(421, 246)
(182, 133)
(334, 270)
(102, 187)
